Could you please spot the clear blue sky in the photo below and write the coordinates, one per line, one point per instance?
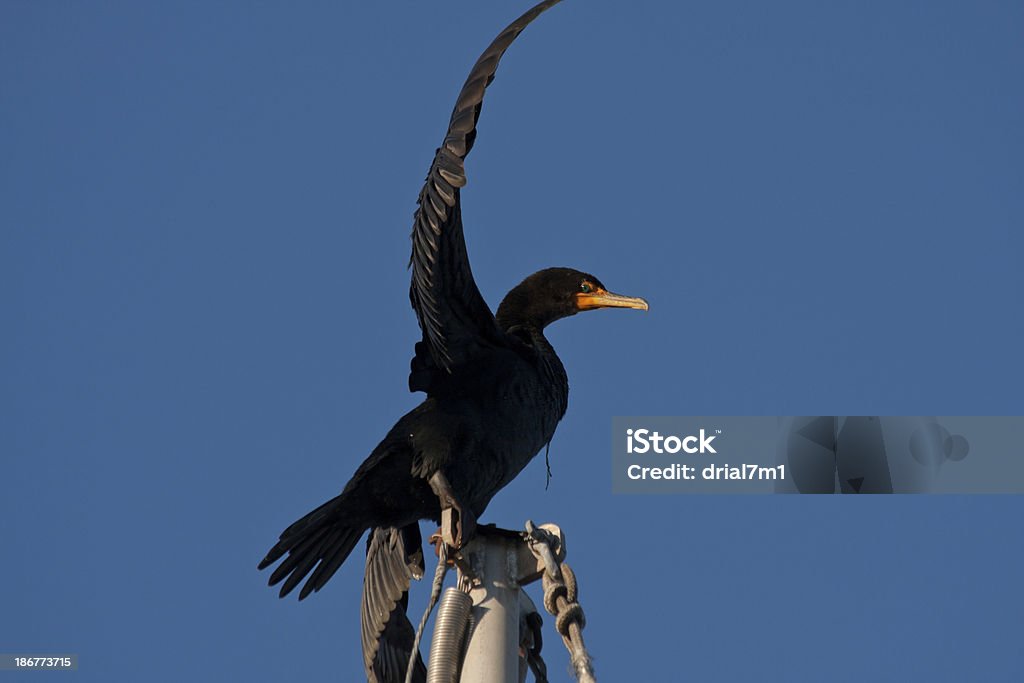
(204, 218)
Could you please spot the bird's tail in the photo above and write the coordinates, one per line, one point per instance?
(321, 539)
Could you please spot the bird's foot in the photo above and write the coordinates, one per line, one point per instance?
(465, 526)
(458, 523)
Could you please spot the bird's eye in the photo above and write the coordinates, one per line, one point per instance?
(585, 288)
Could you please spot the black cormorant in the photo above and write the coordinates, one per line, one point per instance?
(495, 393)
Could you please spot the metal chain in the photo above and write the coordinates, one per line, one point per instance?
(531, 640)
(560, 600)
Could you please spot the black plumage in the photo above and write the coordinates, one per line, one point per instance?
(495, 389)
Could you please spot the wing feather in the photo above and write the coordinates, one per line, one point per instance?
(454, 318)
(393, 558)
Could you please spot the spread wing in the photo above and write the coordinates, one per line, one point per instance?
(455, 320)
(393, 558)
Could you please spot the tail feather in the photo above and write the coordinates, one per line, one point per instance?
(325, 570)
(322, 539)
(308, 562)
(294, 534)
(296, 555)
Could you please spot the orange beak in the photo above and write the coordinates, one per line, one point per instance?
(602, 298)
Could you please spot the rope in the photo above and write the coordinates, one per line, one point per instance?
(560, 600)
(435, 593)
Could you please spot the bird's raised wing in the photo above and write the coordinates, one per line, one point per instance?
(453, 316)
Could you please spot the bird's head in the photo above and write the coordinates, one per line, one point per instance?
(555, 293)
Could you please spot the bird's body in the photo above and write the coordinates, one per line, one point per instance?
(495, 388)
(480, 426)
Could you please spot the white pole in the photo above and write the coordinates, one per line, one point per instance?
(492, 655)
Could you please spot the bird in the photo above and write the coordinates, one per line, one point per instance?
(495, 392)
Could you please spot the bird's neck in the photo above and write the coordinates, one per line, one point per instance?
(517, 318)
(528, 332)
(518, 312)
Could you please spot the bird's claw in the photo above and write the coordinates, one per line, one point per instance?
(457, 526)
(465, 526)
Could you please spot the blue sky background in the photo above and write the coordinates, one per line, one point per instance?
(205, 211)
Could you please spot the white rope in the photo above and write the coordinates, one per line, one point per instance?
(435, 593)
(560, 600)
